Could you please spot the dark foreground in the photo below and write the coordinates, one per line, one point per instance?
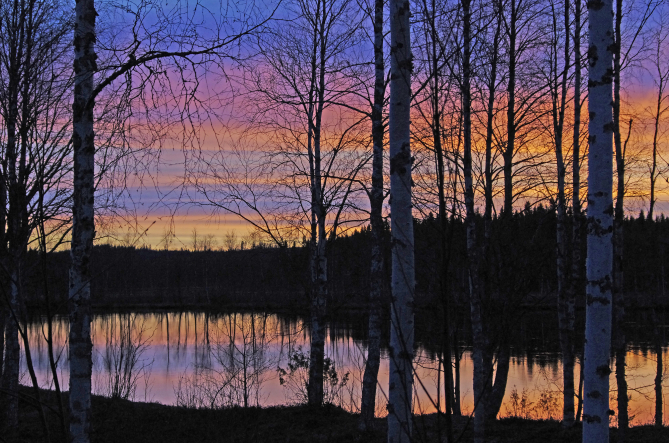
(121, 421)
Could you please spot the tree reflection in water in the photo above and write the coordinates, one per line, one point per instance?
(218, 360)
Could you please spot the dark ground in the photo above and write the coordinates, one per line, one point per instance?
(121, 421)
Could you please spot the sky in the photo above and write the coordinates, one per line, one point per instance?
(163, 205)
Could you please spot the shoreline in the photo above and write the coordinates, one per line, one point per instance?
(117, 420)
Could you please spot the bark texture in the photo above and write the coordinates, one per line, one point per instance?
(83, 223)
(600, 224)
(403, 273)
(319, 273)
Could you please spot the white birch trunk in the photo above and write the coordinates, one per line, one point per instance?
(83, 224)
(600, 224)
(402, 311)
(317, 310)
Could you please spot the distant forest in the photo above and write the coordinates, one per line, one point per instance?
(276, 278)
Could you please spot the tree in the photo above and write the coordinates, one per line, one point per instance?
(299, 177)
(577, 216)
(478, 336)
(660, 72)
(35, 158)
(558, 85)
(185, 46)
(501, 286)
(376, 197)
(623, 57)
(600, 224)
(436, 54)
(400, 391)
(524, 36)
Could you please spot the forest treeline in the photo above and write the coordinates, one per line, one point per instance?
(261, 276)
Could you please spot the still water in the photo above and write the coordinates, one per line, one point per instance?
(205, 360)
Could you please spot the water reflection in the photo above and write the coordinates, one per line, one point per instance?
(254, 359)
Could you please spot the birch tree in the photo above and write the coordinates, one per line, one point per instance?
(83, 224)
(294, 171)
(400, 351)
(177, 38)
(600, 224)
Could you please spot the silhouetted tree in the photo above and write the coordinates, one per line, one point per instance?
(376, 197)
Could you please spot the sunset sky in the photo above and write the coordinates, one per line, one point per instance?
(163, 204)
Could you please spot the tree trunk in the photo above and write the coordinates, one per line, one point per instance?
(510, 113)
(656, 129)
(496, 396)
(83, 222)
(568, 357)
(49, 317)
(619, 339)
(319, 273)
(318, 310)
(33, 378)
(579, 409)
(443, 226)
(370, 378)
(600, 225)
(659, 369)
(479, 339)
(559, 95)
(490, 122)
(457, 410)
(10, 381)
(10, 375)
(400, 351)
(317, 346)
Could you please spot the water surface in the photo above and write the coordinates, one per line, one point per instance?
(257, 359)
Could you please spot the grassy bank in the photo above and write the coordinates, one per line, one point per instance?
(130, 422)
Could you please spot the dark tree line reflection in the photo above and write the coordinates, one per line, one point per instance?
(214, 360)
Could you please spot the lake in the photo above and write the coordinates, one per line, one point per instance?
(257, 359)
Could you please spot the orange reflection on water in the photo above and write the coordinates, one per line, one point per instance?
(204, 360)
